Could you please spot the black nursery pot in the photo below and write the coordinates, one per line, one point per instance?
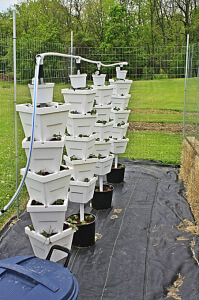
(85, 235)
(103, 200)
(116, 175)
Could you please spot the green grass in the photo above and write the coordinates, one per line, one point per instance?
(155, 146)
(167, 94)
(155, 118)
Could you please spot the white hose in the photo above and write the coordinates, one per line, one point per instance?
(32, 139)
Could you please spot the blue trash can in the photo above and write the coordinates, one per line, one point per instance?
(30, 278)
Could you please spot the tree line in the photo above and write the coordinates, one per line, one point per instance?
(106, 23)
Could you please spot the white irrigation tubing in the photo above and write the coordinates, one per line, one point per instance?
(79, 58)
(39, 60)
(31, 142)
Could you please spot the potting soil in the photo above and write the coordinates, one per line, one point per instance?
(141, 252)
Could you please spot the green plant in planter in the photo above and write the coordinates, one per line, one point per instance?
(59, 202)
(94, 103)
(92, 156)
(120, 124)
(74, 112)
(57, 137)
(124, 138)
(66, 133)
(116, 108)
(43, 173)
(101, 121)
(86, 180)
(110, 119)
(98, 139)
(83, 135)
(106, 140)
(31, 227)
(72, 179)
(100, 156)
(73, 157)
(92, 112)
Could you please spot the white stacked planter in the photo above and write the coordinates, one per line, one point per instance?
(119, 112)
(103, 127)
(47, 181)
(79, 142)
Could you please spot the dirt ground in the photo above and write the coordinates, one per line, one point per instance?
(160, 127)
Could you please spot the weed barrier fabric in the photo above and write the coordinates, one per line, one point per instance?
(139, 252)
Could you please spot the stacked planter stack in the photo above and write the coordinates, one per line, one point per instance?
(79, 142)
(47, 180)
(120, 114)
(103, 130)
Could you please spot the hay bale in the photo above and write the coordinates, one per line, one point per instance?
(193, 190)
(187, 159)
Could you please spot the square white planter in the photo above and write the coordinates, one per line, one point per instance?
(102, 147)
(103, 131)
(48, 121)
(99, 80)
(78, 81)
(120, 116)
(80, 100)
(46, 156)
(41, 245)
(47, 218)
(81, 169)
(103, 112)
(47, 189)
(119, 146)
(80, 147)
(118, 132)
(103, 94)
(120, 101)
(121, 74)
(121, 87)
(44, 92)
(82, 192)
(104, 165)
(80, 124)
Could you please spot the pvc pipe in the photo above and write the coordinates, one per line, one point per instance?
(101, 183)
(71, 50)
(116, 161)
(185, 90)
(81, 212)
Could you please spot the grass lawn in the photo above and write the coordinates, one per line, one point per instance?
(151, 101)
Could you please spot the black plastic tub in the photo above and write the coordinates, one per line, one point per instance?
(116, 175)
(85, 235)
(103, 200)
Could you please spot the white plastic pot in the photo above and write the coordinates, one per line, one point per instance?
(102, 147)
(82, 192)
(41, 245)
(120, 116)
(80, 147)
(104, 165)
(99, 80)
(121, 87)
(78, 81)
(118, 132)
(44, 92)
(103, 94)
(119, 146)
(46, 156)
(80, 124)
(80, 100)
(103, 131)
(47, 189)
(81, 169)
(103, 112)
(47, 218)
(120, 101)
(121, 74)
(49, 120)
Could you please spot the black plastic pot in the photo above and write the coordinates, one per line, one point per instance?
(116, 175)
(102, 200)
(85, 235)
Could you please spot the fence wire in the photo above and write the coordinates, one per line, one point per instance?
(156, 101)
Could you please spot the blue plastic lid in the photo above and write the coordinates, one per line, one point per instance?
(28, 277)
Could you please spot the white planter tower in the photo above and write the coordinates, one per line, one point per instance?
(119, 112)
(80, 141)
(47, 181)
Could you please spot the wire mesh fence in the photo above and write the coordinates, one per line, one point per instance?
(156, 102)
(190, 149)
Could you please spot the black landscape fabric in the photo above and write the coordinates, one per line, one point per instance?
(140, 253)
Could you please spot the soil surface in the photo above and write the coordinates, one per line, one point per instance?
(160, 127)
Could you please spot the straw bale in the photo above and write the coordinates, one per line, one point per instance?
(187, 159)
(193, 189)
